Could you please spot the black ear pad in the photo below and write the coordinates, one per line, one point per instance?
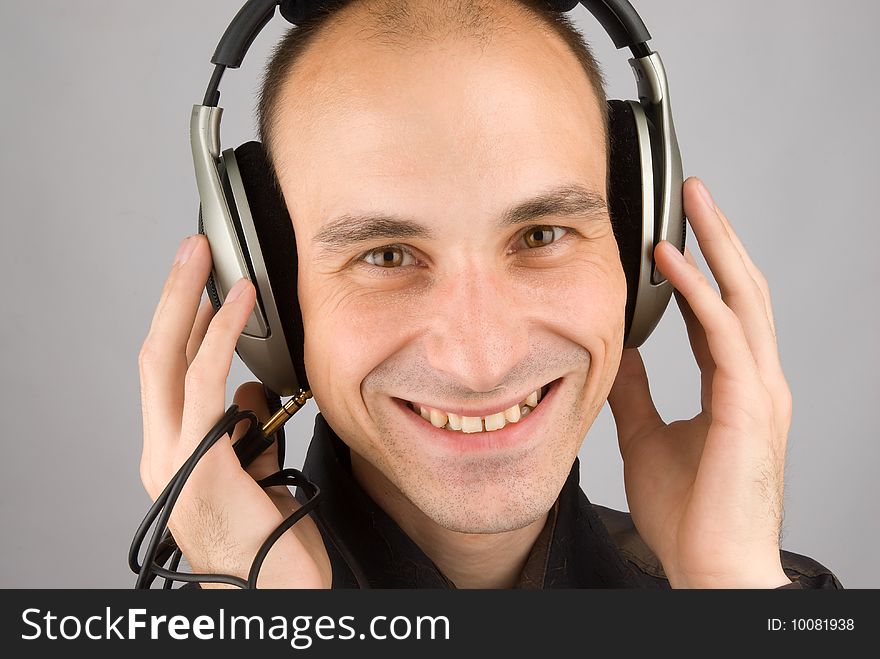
(278, 245)
(625, 196)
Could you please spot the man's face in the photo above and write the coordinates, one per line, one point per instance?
(431, 292)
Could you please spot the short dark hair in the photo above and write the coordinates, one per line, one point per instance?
(395, 22)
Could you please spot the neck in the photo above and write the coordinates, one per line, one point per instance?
(469, 560)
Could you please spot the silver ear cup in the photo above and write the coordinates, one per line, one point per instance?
(216, 216)
(651, 299)
(225, 218)
(267, 354)
(662, 179)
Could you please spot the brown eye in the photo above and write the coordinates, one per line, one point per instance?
(391, 256)
(542, 235)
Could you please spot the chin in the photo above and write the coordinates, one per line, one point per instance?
(487, 491)
(490, 508)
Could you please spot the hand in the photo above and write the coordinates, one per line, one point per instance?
(706, 494)
(222, 516)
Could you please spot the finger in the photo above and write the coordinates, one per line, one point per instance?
(696, 335)
(699, 347)
(200, 326)
(205, 384)
(724, 332)
(756, 274)
(739, 291)
(162, 359)
(163, 354)
(738, 288)
(176, 310)
(251, 396)
(771, 365)
(630, 400)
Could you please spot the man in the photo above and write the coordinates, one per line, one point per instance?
(458, 349)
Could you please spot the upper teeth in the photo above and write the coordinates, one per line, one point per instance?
(470, 424)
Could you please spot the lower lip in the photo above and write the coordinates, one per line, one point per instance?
(521, 434)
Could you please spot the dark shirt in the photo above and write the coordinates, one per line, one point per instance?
(582, 545)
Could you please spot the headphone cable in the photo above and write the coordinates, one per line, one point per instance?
(247, 448)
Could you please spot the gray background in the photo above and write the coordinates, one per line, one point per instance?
(774, 104)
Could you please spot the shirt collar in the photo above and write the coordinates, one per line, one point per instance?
(368, 549)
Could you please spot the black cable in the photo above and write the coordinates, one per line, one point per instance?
(175, 561)
(281, 478)
(198, 578)
(247, 448)
(160, 513)
(162, 507)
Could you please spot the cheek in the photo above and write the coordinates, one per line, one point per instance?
(348, 331)
(584, 300)
(585, 304)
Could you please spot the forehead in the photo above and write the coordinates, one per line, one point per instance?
(455, 120)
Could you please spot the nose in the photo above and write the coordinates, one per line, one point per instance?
(478, 333)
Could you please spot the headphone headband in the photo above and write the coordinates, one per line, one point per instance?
(619, 18)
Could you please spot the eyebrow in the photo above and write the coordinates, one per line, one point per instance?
(572, 200)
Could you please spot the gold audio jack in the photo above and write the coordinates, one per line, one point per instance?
(258, 438)
(286, 412)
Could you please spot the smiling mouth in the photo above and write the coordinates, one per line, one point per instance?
(488, 423)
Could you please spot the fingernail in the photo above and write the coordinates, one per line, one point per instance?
(185, 250)
(673, 251)
(236, 291)
(704, 192)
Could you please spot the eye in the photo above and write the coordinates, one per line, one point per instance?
(541, 236)
(390, 256)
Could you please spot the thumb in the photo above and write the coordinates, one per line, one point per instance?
(250, 396)
(630, 399)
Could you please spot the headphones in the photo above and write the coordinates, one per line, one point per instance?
(245, 219)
